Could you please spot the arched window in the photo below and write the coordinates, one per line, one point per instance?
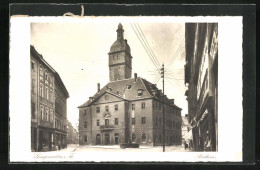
(85, 138)
(143, 137)
(133, 138)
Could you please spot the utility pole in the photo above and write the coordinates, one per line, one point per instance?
(162, 76)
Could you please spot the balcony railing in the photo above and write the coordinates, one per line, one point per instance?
(106, 127)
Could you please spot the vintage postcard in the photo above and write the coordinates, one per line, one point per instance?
(110, 89)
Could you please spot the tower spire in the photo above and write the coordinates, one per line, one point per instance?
(120, 32)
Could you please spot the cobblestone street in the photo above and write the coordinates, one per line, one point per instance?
(116, 148)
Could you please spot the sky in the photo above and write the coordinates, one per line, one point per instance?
(79, 53)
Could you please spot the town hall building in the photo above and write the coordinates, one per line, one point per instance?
(127, 109)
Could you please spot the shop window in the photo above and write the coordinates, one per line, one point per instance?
(116, 121)
(143, 105)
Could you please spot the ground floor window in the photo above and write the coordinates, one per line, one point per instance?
(85, 138)
(133, 138)
(143, 137)
(98, 139)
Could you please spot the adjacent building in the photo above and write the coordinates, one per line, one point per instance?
(201, 76)
(127, 109)
(72, 136)
(48, 105)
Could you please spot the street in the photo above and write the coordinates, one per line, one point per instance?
(116, 148)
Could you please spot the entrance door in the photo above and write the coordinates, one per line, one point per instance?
(116, 138)
(98, 139)
(107, 139)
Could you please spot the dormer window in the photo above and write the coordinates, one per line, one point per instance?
(128, 86)
(140, 92)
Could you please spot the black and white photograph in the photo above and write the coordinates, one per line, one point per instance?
(135, 85)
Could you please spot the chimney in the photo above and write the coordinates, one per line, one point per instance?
(98, 87)
(135, 76)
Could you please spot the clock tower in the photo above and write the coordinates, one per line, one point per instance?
(120, 59)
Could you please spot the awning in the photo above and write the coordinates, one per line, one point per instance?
(188, 136)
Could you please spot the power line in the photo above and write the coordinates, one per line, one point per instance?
(148, 45)
(156, 66)
(176, 53)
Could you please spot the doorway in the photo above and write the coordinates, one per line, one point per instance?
(98, 139)
(107, 141)
(116, 138)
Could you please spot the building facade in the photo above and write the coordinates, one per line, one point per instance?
(48, 117)
(201, 75)
(72, 137)
(127, 109)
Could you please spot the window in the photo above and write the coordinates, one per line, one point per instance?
(128, 86)
(116, 107)
(85, 124)
(51, 115)
(85, 112)
(160, 138)
(133, 121)
(85, 138)
(47, 114)
(133, 106)
(156, 121)
(55, 123)
(156, 106)
(42, 109)
(32, 64)
(143, 120)
(114, 57)
(97, 109)
(98, 122)
(160, 106)
(143, 137)
(106, 122)
(106, 107)
(118, 57)
(116, 121)
(133, 138)
(160, 121)
(41, 90)
(47, 93)
(143, 105)
(140, 92)
(41, 72)
(33, 110)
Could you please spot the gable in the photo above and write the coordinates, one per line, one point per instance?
(107, 98)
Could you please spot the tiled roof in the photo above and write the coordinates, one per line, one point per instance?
(119, 88)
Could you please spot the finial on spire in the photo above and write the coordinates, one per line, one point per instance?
(120, 32)
(120, 26)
